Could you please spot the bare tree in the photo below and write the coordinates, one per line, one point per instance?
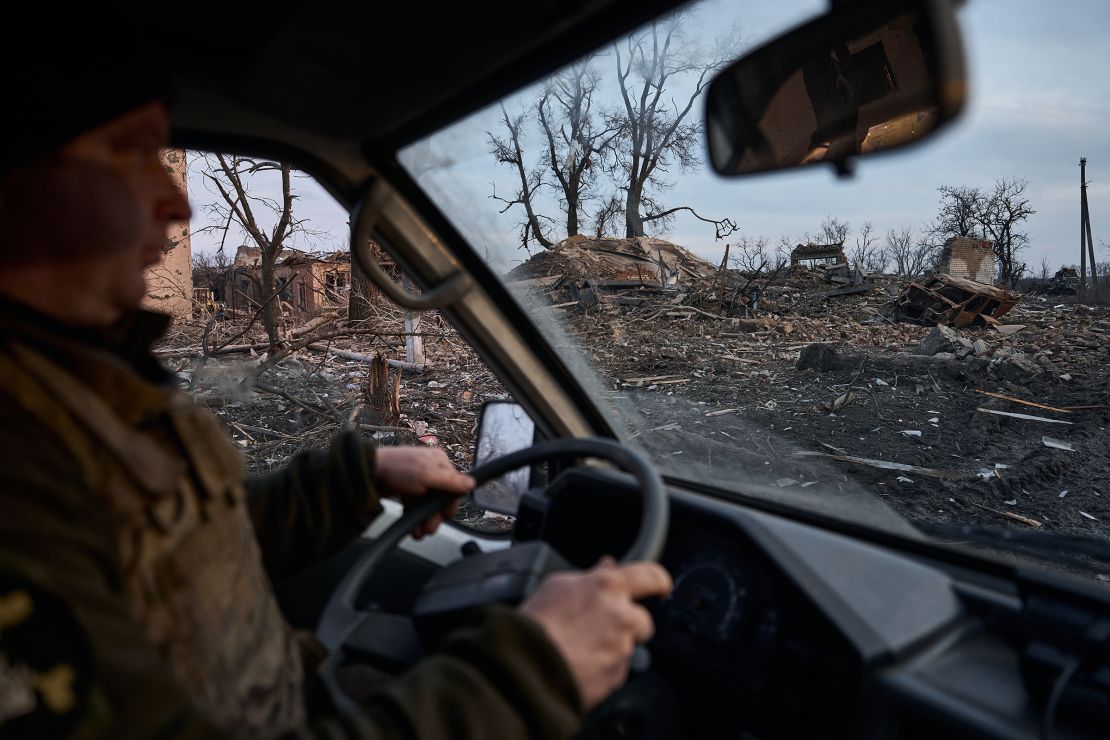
(508, 151)
(606, 215)
(834, 231)
(575, 139)
(1045, 268)
(1001, 214)
(243, 204)
(656, 133)
(958, 214)
(910, 256)
(750, 255)
(867, 253)
(784, 250)
(995, 214)
(210, 268)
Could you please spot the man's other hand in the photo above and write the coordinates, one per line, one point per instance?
(407, 473)
(595, 622)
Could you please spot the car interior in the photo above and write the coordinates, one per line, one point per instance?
(783, 623)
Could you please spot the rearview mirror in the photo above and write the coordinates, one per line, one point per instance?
(869, 76)
(504, 427)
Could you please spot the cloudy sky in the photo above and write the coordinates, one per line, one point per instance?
(1039, 102)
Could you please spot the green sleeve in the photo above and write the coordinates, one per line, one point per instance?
(54, 538)
(315, 505)
(501, 677)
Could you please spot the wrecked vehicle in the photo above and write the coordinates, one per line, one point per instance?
(952, 301)
(1064, 282)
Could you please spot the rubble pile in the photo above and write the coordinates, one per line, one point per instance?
(848, 379)
(301, 402)
(944, 417)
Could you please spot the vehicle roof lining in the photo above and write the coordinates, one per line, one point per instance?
(374, 80)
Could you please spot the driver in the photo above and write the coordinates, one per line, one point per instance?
(135, 553)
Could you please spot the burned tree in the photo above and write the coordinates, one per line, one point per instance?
(509, 151)
(656, 132)
(574, 137)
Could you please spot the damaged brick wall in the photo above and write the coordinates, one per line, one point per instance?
(169, 284)
(971, 259)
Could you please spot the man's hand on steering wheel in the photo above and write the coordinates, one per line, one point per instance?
(407, 473)
(593, 619)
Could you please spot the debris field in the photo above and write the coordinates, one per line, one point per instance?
(779, 376)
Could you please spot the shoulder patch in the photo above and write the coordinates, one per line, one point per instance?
(45, 662)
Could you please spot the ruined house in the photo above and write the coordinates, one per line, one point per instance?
(812, 255)
(170, 282)
(967, 258)
(306, 282)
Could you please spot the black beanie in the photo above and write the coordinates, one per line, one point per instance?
(68, 74)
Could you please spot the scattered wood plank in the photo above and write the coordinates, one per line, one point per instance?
(722, 412)
(650, 380)
(1008, 515)
(888, 465)
(1026, 417)
(1024, 403)
(742, 360)
(359, 357)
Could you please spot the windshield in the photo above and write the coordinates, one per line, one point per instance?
(778, 335)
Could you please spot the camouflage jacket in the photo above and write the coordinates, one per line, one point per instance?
(135, 557)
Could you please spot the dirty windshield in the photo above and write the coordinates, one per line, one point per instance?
(916, 344)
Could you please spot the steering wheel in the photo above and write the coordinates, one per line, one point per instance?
(340, 618)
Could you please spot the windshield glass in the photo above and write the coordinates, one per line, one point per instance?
(777, 335)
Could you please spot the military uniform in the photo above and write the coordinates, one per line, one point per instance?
(130, 533)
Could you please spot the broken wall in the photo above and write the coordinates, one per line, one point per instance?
(169, 284)
(971, 259)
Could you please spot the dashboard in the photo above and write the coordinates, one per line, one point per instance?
(776, 629)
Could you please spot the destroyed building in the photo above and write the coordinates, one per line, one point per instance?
(306, 282)
(170, 282)
(967, 258)
(812, 255)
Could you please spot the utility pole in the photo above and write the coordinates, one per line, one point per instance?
(1086, 241)
(1082, 225)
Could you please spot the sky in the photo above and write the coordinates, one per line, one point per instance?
(1038, 74)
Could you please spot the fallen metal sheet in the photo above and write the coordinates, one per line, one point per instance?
(1057, 444)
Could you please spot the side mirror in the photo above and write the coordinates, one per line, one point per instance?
(503, 428)
(868, 76)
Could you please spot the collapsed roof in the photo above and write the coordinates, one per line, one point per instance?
(639, 258)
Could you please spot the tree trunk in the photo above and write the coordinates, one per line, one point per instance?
(269, 309)
(363, 293)
(384, 393)
(633, 220)
(572, 212)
